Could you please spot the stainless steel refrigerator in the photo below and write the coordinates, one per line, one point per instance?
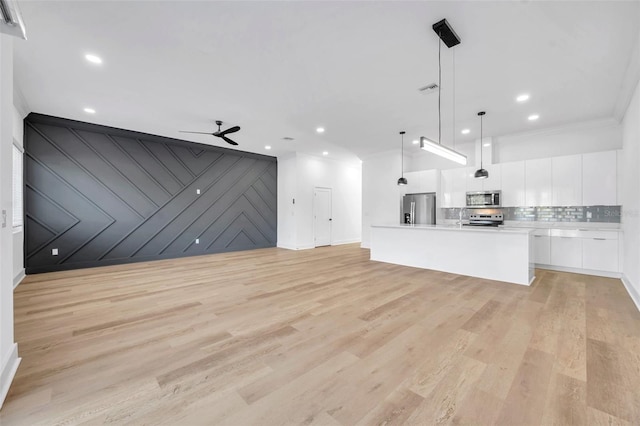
(419, 209)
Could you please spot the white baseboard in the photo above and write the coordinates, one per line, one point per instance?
(341, 242)
(289, 247)
(18, 278)
(364, 246)
(8, 372)
(580, 271)
(635, 296)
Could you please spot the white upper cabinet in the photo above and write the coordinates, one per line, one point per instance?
(599, 177)
(473, 184)
(513, 194)
(494, 181)
(566, 174)
(454, 187)
(421, 181)
(538, 182)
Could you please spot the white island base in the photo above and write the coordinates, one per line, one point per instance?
(491, 253)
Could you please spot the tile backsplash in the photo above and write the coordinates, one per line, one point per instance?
(609, 214)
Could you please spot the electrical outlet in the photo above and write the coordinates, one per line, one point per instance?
(54, 252)
(197, 240)
(588, 215)
(198, 191)
(4, 218)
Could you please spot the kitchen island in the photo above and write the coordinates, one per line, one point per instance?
(483, 252)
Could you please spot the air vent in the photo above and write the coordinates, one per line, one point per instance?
(11, 19)
(287, 138)
(429, 88)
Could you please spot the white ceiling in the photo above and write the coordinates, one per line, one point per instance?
(283, 68)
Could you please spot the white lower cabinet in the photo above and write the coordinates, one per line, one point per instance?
(566, 251)
(541, 246)
(600, 254)
(589, 250)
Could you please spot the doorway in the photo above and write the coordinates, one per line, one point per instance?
(322, 216)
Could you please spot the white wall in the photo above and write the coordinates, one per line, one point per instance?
(630, 193)
(298, 175)
(18, 235)
(8, 348)
(287, 179)
(380, 191)
(579, 138)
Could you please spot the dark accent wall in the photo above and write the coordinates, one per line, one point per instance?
(105, 196)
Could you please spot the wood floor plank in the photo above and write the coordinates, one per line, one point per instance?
(320, 337)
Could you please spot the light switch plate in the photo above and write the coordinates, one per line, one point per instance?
(197, 240)
(54, 252)
(4, 218)
(198, 191)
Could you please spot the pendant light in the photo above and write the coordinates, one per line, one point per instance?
(402, 180)
(481, 173)
(450, 38)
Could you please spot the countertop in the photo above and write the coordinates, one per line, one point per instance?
(458, 228)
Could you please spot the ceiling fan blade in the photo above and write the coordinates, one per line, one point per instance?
(229, 140)
(229, 130)
(199, 133)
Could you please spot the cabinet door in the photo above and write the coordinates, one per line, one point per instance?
(513, 190)
(600, 254)
(446, 188)
(566, 251)
(494, 181)
(473, 184)
(538, 182)
(453, 183)
(566, 176)
(599, 176)
(542, 249)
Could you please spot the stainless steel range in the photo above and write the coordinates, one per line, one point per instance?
(485, 219)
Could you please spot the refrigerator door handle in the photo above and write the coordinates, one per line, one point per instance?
(413, 212)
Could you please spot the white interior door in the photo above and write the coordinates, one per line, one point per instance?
(322, 216)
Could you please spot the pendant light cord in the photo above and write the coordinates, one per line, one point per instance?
(453, 127)
(439, 87)
(402, 154)
(481, 141)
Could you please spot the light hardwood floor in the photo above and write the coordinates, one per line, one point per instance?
(320, 337)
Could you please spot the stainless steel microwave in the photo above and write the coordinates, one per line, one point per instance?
(478, 199)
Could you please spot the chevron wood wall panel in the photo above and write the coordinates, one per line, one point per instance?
(103, 196)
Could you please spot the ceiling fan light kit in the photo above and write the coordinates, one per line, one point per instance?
(447, 35)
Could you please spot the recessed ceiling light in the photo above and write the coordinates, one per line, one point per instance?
(465, 131)
(94, 59)
(267, 147)
(325, 152)
(416, 142)
(90, 110)
(320, 130)
(533, 117)
(522, 98)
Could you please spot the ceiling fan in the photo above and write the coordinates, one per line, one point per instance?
(220, 133)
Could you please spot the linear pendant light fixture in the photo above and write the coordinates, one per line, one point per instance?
(450, 38)
(402, 180)
(481, 173)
